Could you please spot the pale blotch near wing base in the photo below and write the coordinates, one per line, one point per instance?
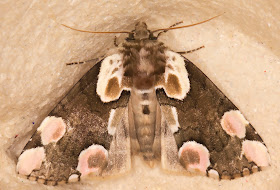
(52, 129)
(92, 160)
(194, 157)
(256, 151)
(176, 82)
(171, 116)
(115, 117)
(234, 123)
(111, 126)
(109, 84)
(30, 160)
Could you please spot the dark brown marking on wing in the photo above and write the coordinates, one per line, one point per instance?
(112, 88)
(173, 85)
(189, 157)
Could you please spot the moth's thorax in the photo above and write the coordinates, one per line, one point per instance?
(144, 61)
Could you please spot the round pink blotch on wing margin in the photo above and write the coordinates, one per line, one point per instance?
(52, 129)
(234, 123)
(194, 156)
(30, 160)
(92, 160)
(256, 151)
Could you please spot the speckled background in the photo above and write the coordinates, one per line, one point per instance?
(241, 56)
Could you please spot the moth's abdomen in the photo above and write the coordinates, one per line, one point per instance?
(144, 106)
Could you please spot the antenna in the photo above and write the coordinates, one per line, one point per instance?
(95, 32)
(165, 29)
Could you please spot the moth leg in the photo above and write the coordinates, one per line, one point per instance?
(115, 41)
(190, 51)
(177, 23)
(83, 62)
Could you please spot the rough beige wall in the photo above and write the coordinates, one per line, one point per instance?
(241, 56)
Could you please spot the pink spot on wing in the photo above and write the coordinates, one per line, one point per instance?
(256, 151)
(30, 160)
(234, 123)
(194, 156)
(52, 129)
(92, 160)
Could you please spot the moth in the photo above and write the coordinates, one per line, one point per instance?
(144, 99)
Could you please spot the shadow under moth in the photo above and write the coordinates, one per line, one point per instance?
(145, 99)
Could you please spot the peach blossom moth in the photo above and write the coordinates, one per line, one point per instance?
(144, 99)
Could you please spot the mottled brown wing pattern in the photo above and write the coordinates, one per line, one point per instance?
(213, 137)
(74, 140)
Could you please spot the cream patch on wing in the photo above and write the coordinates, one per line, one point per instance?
(194, 156)
(30, 160)
(115, 117)
(256, 151)
(92, 160)
(234, 123)
(111, 125)
(176, 82)
(109, 84)
(52, 129)
(171, 117)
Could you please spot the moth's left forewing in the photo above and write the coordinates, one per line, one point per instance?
(110, 86)
(212, 137)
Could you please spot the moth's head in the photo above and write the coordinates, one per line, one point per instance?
(141, 31)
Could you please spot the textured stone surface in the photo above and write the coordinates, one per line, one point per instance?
(241, 56)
